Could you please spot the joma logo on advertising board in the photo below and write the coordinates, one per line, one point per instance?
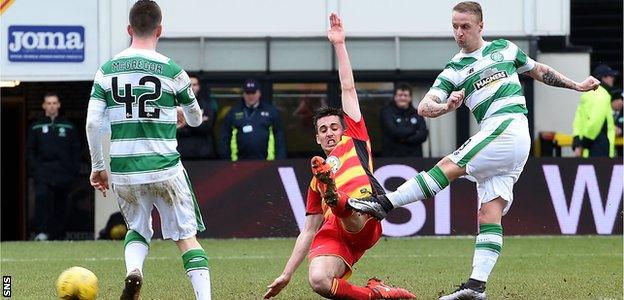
(46, 43)
(487, 79)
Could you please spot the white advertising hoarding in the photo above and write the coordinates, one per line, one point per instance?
(49, 40)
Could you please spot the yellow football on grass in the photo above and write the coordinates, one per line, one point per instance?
(77, 283)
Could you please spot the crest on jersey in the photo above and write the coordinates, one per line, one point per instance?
(496, 56)
(488, 77)
(191, 95)
(334, 162)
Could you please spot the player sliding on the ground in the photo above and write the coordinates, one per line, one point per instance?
(485, 76)
(334, 235)
(142, 94)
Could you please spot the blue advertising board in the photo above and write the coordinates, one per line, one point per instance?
(46, 43)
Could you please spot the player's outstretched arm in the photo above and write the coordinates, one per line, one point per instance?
(552, 77)
(431, 106)
(336, 36)
(301, 248)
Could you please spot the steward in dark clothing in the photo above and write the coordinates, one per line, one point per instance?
(252, 129)
(403, 130)
(198, 142)
(53, 151)
(252, 133)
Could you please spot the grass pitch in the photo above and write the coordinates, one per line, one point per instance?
(562, 267)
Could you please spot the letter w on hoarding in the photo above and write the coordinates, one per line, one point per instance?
(289, 180)
(568, 217)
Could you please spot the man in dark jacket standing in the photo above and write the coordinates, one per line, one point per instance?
(198, 142)
(252, 129)
(53, 161)
(403, 129)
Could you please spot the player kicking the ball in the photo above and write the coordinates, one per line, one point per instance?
(485, 76)
(142, 94)
(334, 236)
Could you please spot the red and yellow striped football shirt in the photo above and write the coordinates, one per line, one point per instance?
(352, 164)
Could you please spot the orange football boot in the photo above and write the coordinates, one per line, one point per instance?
(383, 291)
(323, 173)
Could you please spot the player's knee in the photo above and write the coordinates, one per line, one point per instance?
(450, 169)
(489, 214)
(188, 243)
(482, 217)
(320, 283)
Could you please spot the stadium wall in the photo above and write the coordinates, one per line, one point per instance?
(549, 100)
(267, 199)
(104, 24)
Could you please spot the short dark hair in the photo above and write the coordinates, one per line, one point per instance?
(51, 94)
(470, 7)
(403, 86)
(325, 111)
(144, 17)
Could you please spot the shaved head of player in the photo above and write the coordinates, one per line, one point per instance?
(145, 23)
(468, 25)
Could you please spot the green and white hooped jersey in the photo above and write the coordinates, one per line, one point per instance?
(140, 90)
(489, 76)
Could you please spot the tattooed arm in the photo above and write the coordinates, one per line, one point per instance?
(550, 76)
(431, 106)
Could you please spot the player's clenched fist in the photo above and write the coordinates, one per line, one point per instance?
(455, 100)
(588, 84)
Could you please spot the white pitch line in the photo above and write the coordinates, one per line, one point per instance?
(249, 257)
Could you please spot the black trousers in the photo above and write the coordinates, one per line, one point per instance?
(51, 209)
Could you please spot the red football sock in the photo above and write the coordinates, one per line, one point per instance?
(342, 289)
(342, 210)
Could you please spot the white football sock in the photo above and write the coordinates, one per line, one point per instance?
(196, 264)
(422, 186)
(487, 249)
(135, 254)
(200, 279)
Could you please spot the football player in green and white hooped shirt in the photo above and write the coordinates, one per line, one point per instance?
(485, 76)
(142, 94)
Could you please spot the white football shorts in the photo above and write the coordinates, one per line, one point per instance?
(495, 156)
(179, 212)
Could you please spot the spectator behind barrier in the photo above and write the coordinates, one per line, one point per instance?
(198, 142)
(252, 129)
(53, 151)
(403, 129)
(593, 127)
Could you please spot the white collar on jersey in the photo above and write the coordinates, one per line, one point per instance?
(476, 53)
